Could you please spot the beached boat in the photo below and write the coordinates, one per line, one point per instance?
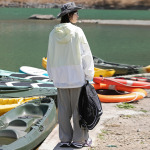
(44, 62)
(120, 69)
(33, 71)
(10, 75)
(26, 126)
(9, 84)
(8, 89)
(129, 94)
(97, 71)
(22, 85)
(20, 88)
(122, 82)
(6, 104)
(103, 72)
(26, 90)
(31, 92)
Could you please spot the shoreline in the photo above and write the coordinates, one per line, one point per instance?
(117, 22)
(96, 21)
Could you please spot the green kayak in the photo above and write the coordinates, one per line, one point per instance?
(120, 69)
(6, 89)
(26, 126)
(31, 92)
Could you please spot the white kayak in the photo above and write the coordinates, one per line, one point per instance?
(33, 71)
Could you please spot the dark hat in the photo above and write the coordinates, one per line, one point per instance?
(67, 8)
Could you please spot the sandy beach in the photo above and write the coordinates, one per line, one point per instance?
(127, 129)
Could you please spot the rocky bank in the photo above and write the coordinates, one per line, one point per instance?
(96, 4)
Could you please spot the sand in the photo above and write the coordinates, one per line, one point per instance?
(128, 130)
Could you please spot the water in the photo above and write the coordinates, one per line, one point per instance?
(24, 42)
(121, 44)
(24, 13)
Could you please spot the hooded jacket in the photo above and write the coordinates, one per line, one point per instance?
(69, 58)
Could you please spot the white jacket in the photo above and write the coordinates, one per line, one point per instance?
(69, 58)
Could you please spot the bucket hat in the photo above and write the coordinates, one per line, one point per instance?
(67, 8)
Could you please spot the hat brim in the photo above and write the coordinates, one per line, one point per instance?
(68, 11)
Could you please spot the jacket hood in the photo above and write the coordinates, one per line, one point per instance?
(63, 32)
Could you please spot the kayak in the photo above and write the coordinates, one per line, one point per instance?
(9, 75)
(44, 62)
(122, 82)
(33, 71)
(120, 69)
(8, 84)
(31, 92)
(130, 94)
(103, 72)
(21, 85)
(27, 125)
(6, 104)
(7, 89)
(97, 71)
(26, 89)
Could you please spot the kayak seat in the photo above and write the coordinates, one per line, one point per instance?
(23, 124)
(34, 110)
(9, 133)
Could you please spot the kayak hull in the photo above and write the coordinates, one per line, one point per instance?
(27, 125)
(120, 69)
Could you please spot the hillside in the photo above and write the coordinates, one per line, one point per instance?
(98, 4)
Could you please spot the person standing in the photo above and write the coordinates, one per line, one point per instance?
(69, 65)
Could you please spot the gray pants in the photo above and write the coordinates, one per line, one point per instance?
(67, 108)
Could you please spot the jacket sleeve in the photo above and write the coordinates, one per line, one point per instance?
(48, 63)
(87, 61)
(87, 58)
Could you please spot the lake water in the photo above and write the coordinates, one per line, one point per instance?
(24, 42)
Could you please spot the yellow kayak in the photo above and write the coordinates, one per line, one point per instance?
(7, 104)
(103, 72)
(98, 71)
(146, 69)
(44, 62)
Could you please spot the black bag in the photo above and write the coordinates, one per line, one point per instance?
(89, 107)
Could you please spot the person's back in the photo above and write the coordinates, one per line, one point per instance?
(65, 55)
